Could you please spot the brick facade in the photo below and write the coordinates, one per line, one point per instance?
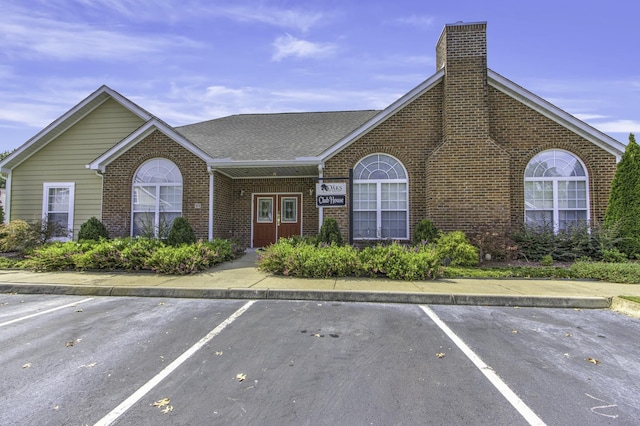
(464, 144)
(233, 198)
(118, 179)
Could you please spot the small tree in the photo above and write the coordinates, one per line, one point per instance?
(181, 233)
(425, 231)
(623, 209)
(92, 229)
(330, 232)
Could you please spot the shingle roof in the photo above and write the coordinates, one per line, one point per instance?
(283, 136)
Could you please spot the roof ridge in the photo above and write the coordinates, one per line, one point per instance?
(261, 114)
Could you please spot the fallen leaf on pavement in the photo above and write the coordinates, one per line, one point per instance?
(219, 353)
(514, 331)
(167, 409)
(68, 344)
(440, 354)
(27, 365)
(593, 361)
(241, 377)
(93, 364)
(162, 403)
(568, 334)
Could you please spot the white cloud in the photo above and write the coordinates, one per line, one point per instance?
(188, 10)
(619, 126)
(32, 36)
(289, 46)
(588, 117)
(420, 21)
(283, 18)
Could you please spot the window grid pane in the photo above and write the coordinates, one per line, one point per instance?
(381, 205)
(555, 190)
(289, 210)
(364, 225)
(171, 198)
(394, 224)
(156, 197)
(364, 196)
(58, 200)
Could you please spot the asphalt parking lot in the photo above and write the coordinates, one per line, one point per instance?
(106, 360)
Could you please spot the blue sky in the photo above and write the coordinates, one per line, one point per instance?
(193, 60)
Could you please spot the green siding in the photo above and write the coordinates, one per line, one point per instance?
(64, 160)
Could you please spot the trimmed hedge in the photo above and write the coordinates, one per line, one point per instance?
(130, 254)
(294, 258)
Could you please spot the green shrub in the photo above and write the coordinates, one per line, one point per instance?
(181, 233)
(614, 256)
(454, 249)
(330, 232)
(182, 260)
(220, 251)
(533, 242)
(56, 256)
(395, 261)
(93, 229)
(568, 245)
(104, 254)
(627, 273)
(9, 262)
(20, 236)
(425, 232)
(546, 260)
(623, 208)
(277, 258)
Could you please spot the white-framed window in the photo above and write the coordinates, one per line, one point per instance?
(556, 190)
(156, 198)
(380, 198)
(57, 208)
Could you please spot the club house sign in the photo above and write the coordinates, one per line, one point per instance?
(331, 194)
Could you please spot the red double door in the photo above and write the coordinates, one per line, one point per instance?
(275, 216)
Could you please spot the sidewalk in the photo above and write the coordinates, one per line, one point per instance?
(241, 279)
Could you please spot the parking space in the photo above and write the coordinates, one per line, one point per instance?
(111, 360)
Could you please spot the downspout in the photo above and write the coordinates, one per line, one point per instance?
(321, 209)
(211, 195)
(99, 173)
(7, 198)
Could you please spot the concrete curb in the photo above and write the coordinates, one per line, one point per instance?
(626, 307)
(318, 295)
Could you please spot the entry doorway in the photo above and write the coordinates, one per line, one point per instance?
(276, 216)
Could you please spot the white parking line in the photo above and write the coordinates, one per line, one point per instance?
(137, 395)
(489, 373)
(45, 312)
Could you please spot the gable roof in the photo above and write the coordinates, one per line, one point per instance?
(273, 137)
(63, 123)
(136, 136)
(556, 114)
(378, 119)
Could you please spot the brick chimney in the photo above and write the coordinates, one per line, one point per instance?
(462, 51)
(468, 173)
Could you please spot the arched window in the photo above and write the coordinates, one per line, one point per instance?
(555, 190)
(157, 198)
(380, 198)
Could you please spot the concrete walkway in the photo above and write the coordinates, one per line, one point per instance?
(241, 279)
